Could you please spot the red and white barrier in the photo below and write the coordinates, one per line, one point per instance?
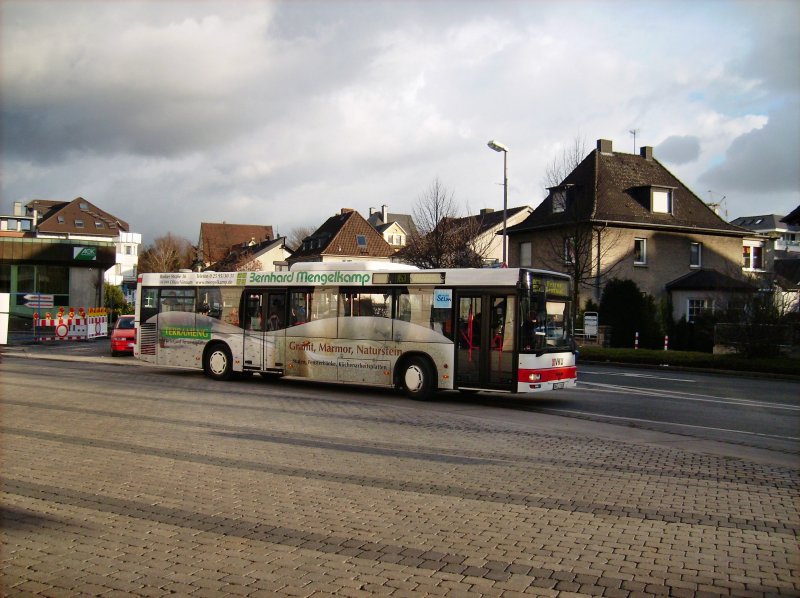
(71, 327)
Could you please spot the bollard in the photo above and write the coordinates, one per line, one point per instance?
(666, 342)
(636, 341)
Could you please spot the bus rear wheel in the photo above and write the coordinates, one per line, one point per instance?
(217, 362)
(417, 378)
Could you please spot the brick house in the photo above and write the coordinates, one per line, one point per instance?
(346, 236)
(620, 215)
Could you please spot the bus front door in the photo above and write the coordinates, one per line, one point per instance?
(485, 343)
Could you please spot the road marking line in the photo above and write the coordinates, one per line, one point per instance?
(631, 375)
(683, 396)
(652, 421)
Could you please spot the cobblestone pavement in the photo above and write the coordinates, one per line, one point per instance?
(162, 482)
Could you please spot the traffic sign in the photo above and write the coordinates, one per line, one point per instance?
(38, 300)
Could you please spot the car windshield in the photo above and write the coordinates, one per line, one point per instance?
(125, 324)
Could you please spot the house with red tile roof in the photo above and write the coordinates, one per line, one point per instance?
(217, 239)
(345, 236)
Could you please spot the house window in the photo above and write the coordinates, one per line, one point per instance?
(61, 220)
(695, 255)
(361, 241)
(79, 224)
(569, 250)
(753, 255)
(98, 224)
(639, 252)
(525, 255)
(696, 307)
(83, 206)
(559, 201)
(661, 200)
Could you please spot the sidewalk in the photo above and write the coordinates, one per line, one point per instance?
(95, 350)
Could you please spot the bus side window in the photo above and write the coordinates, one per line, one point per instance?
(210, 302)
(149, 304)
(177, 300)
(251, 312)
(299, 307)
(325, 303)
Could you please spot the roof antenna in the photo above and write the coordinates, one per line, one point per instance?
(633, 132)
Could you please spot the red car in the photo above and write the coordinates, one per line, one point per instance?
(123, 336)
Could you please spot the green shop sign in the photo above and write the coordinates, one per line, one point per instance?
(84, 254)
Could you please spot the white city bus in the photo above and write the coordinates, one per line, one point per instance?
(372, 323)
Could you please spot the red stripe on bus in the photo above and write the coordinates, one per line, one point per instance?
(548, 375)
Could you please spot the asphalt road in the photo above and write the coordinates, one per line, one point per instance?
(741, 410)
(126, 479)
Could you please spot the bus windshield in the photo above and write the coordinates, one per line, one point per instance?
(544, 323)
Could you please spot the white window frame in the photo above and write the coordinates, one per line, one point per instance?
(525, 254)
(559, 201)
(698, 263)
(693, 309)
(569, 250)
(747, 257)
(642, 259)
(661, 200)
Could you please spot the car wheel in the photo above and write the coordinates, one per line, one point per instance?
(217, 362)
(417, 378)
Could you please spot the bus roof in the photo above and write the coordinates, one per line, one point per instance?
(465, 277)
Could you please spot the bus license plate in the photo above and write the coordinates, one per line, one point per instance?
(558, 385)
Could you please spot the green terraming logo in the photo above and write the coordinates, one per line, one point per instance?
(186, 332)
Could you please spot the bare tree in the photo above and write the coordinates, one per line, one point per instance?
(580, 247)
(167, 254)
(565, 162)
(295, 237)
(443, 239)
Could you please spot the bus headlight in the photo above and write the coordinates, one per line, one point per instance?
(534, 377)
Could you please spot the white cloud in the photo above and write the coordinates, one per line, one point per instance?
(282, 113)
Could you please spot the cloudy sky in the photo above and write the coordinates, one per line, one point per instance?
(171, 114)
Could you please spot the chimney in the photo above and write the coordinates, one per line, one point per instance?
(18, 209)
(384, 213)
(604, 146)
(646, 152)
(347, 211)
(485, 211)
(371, 210)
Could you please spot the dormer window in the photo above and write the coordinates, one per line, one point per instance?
(61, 220)
(661, 200)
(98, 224)
(559, 201)
(79, 224)
(83, 206)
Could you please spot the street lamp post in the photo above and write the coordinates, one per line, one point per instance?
(499, 147)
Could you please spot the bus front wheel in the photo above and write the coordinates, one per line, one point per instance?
(417, 378)
(217, 362)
